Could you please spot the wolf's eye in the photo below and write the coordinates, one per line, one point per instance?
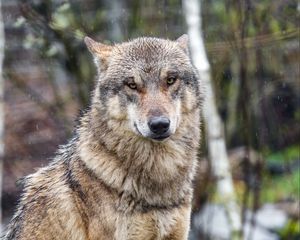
(129, 82)
(171, 80)
(132, 85)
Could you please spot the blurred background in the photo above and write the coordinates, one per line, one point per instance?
(253, 49)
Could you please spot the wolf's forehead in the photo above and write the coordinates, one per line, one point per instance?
(147, 57)
(148, 51)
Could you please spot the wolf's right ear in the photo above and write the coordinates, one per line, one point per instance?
(183, 42)
(100, 51)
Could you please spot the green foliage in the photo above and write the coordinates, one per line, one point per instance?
(63, 17)
(19, 22)
(291, 231)
(287, 185)
(288, 154)
(282, 187)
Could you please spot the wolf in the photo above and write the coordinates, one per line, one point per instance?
(127, 173)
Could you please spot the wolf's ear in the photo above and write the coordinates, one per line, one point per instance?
(100, 51)
(183, 42)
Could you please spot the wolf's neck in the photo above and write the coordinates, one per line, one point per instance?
(139, 167)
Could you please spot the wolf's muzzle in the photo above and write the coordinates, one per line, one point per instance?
(159, 126)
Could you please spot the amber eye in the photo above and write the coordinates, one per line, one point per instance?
(132, 85)
(171, 80)
(129, 82)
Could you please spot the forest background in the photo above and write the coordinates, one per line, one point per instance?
(253, 49)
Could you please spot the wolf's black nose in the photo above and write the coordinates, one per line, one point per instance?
(159, 125)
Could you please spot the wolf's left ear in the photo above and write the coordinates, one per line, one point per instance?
(183, 42)
(100, 51)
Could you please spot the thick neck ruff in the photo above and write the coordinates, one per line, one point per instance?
(147, 174)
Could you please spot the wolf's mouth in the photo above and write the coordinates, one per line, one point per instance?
(161, 137)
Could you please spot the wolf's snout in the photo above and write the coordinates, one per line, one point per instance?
(159, 125)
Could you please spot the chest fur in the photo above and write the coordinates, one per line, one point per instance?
(154, 225)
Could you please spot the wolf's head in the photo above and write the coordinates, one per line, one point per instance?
(146, 86)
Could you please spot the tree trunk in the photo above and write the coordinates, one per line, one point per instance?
(213, 124)
(1, 108)
(115, 18)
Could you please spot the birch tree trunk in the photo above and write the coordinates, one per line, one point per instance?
(214, 126)
(1, 108)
